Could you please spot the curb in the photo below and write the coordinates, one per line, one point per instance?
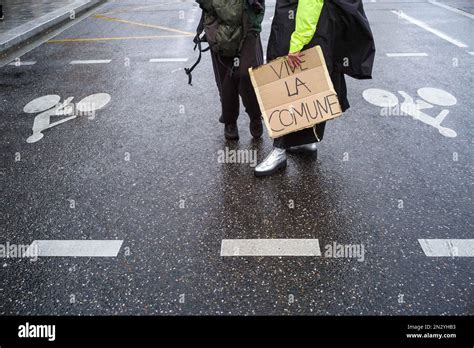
(28, 30)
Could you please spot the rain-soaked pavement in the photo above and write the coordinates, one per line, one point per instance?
(145, 170)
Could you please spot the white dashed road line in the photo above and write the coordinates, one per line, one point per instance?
(407, 54)
(105, 61)
(447, 247)
(428, 28)
(78, 62)
(471, 53)
(21, 63)
(78, 248)
(452, 9)
(270, 247)
(168, 60)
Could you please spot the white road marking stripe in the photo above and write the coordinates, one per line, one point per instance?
(452, 9)
(471, 53)
(447, 247)
(428, 28)
(270, 247)
(168, 60)
(79, 248)
(21, 63)
(99, 61)
(407, 54)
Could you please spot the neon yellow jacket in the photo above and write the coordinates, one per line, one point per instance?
(307, 17)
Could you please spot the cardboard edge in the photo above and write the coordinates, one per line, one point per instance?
(260, 102)
(312, 126)
(325, 68)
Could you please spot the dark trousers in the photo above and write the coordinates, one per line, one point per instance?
(232, 84)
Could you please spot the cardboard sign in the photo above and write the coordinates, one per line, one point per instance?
(294, 99)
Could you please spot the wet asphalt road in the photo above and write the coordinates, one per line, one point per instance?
(145, 170)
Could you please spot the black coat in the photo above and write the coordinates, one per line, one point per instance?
(343, 32)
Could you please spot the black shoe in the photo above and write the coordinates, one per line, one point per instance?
(256, 128)
(307, 149)
(231, 132)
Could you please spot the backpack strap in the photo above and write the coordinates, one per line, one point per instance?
(253, 5)
(198, 40)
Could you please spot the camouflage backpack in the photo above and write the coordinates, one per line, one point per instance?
(224, 25)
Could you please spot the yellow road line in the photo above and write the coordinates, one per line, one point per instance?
(140, 8)
(144, 25)
(154, 37)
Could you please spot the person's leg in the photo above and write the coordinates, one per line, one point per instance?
(306, 139)
(218, 81)
(303, 141)
(251, 55)
(1, 13)
(302, 137)
(229, 95)
(275, 161)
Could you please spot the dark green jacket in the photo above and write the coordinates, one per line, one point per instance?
(226, 23)
(220, 8)
(255, 19)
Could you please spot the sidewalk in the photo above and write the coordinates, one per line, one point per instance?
(27, 18)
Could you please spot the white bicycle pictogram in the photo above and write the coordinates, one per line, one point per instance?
(50, 106)
(430, 97)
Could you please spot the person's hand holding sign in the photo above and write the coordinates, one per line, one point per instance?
(294, 59)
